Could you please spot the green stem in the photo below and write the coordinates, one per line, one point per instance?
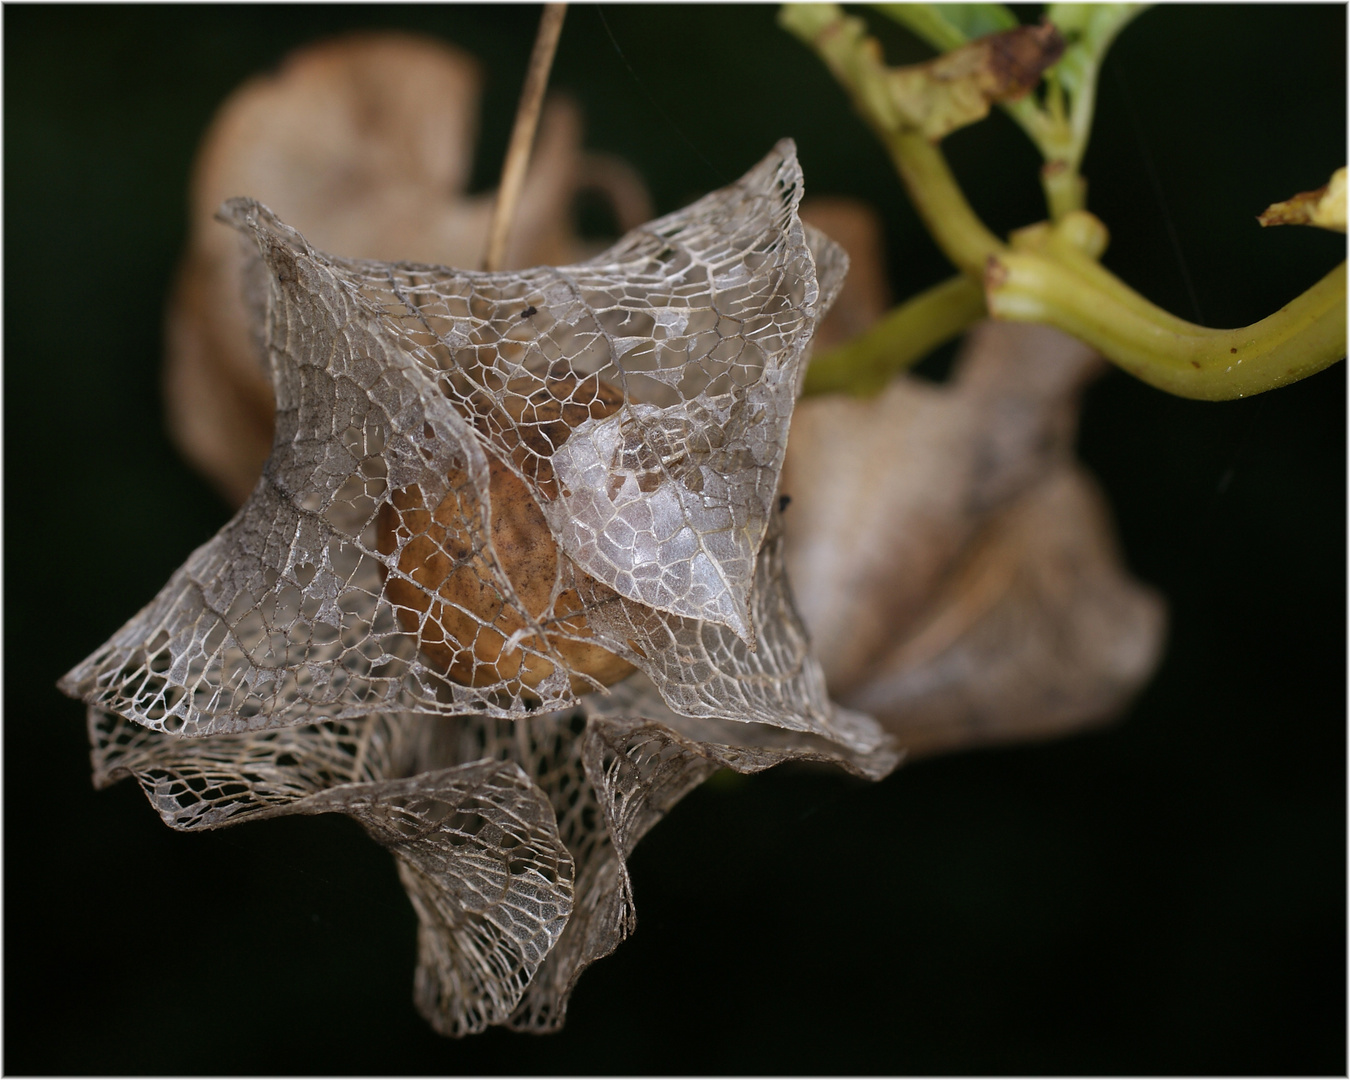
(903, 337)
(1093, 279)
(1064, 187)
(933, 189)
(1300, 339)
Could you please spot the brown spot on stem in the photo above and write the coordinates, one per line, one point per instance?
(1018, 56)
(958, 87)
(995, 274)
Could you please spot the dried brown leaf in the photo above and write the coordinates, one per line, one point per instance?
(866, 294)
(892, 499)
(1037, 632)
(878, 511)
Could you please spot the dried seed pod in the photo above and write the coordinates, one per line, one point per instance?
(390, 376)
(472, 633)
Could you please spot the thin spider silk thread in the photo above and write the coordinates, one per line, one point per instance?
(1239, 442)
(1155, 183)
(722, 179)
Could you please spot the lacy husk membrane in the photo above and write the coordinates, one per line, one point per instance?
(489, 494)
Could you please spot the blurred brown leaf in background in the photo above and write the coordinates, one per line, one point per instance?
(956, 568)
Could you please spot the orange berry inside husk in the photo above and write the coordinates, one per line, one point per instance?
(448, 596)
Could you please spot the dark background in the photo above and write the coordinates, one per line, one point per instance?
(1165, 895)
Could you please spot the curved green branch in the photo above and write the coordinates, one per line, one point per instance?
(1049, 273)
(842, 42)
(1302, 338)
(942, 205)
(899, 340)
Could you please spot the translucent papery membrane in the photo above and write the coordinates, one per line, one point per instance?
(491, 493)
(510, 837)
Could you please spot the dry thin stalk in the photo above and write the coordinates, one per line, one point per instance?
(522, 135)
